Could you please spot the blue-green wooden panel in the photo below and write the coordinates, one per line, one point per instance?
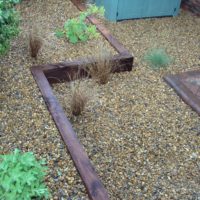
(147, 8)
(129, 9)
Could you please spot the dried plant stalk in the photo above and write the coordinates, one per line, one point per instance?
(80, 97)
(35, 43)
(101, 66)
(79, 101)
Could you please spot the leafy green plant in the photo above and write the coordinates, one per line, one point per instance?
(21, 177)
(9, 21)
(157, 58)
(77, 29)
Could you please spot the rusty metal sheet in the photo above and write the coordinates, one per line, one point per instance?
(187, 86)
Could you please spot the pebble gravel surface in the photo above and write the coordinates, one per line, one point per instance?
(142, 139)
(25, 121)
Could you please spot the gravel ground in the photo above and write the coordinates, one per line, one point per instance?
(140, 148)
(25, 121)
(142, 139)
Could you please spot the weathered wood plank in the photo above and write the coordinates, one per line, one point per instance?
(113, 41)
(95, 188)
(60, 72)
(55, 73)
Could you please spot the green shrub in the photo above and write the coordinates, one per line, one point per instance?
(77, 29)
(9, 21)
(157, 58)
(21, 177)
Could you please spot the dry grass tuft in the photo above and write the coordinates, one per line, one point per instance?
(35, 43)
(79, 101)
(101, 66)
(80, 94)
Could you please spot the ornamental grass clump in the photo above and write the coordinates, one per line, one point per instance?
(21, 177)
(35, 43)
(78, 29)
(101, 66)
(9, 24)
(157, 58)
(79, 99)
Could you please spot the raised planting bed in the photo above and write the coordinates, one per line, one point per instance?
(187, 86)
(129, 9)
(56, 73)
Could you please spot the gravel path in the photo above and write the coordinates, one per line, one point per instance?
(145, 144)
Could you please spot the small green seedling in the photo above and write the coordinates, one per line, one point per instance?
(21, 177)
(77, 29)
(157, 58)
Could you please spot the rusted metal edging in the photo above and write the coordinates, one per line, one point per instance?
(95, 188)
(187, 96)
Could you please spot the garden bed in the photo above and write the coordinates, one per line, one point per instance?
(142, 145)
(160, 131)
(51, 73)
(30, 128)
(54, 161)
(46, 18)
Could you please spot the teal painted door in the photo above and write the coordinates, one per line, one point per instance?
(128, 9)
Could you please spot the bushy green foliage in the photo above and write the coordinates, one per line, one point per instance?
(77, 29)
(21, 177)
(9, 21)
(157, 58)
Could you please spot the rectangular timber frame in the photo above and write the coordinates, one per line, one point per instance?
(45, 75)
